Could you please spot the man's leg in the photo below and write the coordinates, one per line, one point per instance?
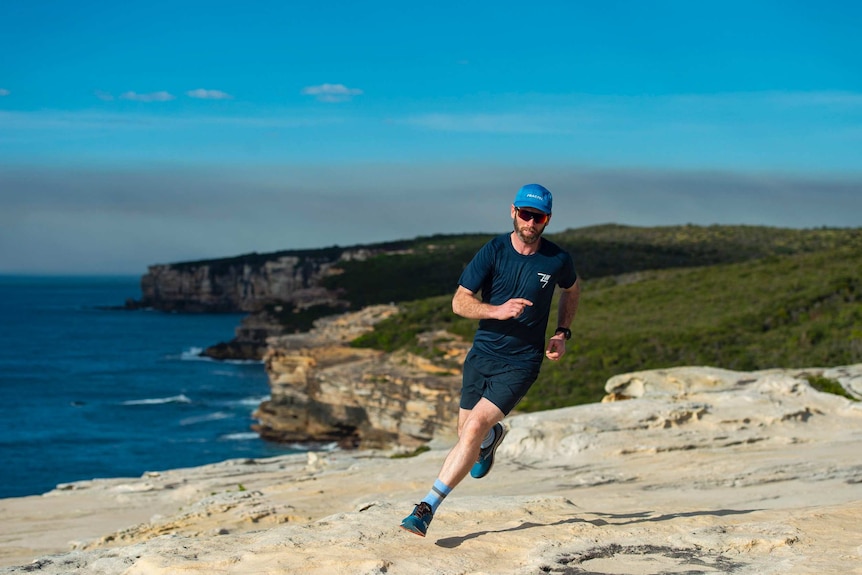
(473, 426)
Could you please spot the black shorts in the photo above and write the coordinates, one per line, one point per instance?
(499, 382)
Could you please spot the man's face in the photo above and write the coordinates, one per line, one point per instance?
(529, 223)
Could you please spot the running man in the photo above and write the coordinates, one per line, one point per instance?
(516, 274)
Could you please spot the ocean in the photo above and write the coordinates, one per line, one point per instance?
(88, 390)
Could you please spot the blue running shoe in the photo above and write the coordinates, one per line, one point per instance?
(486, 456)
(418, 521)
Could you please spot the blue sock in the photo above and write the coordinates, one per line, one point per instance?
(437, 494)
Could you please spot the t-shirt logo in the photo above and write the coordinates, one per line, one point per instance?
(544, 278)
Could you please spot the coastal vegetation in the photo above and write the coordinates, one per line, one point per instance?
(828, 385)
(735, 297)
(430, 266)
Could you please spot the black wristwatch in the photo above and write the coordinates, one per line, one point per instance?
(565, 331)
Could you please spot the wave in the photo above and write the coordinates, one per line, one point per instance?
(313, 446)
(240, 361)
(159, 400)
(194, 354)
(251, 401)
(204, 418)
(244, 436)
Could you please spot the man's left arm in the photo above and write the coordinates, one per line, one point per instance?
(566, 311)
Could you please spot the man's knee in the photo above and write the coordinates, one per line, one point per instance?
(477, 427)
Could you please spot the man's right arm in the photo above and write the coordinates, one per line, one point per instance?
(466, 304)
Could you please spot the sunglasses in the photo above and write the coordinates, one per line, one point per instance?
(539, 218)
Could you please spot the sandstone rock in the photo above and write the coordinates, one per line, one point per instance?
(265, 286)
(244, 283)
(707, 471)
(324, 391)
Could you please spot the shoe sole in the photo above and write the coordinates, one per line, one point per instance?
(497, 441)
(407, 529)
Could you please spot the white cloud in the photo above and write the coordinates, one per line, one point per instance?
(104, 96)
(331, 92)
(151, 97)
(4, 92)
(208, 94)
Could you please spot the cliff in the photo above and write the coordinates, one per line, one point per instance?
(236, 285)
(276, 291)
(703, 471)
(323, 390)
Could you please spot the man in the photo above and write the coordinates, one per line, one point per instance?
(516, 273)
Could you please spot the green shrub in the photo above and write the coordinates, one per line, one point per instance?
(828, 385)
(418, 451)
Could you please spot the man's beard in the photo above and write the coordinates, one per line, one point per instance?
(527, 236)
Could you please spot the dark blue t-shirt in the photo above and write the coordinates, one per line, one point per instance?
(501, 273)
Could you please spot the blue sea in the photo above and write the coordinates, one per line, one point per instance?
(87, 391)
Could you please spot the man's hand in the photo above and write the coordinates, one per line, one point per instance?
(556, 347)
(466, 304)
(512, 308)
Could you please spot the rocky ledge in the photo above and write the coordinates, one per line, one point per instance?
(702, 471)
(323, 390)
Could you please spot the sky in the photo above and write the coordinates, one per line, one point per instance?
(134, 134)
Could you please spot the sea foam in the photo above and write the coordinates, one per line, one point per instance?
(159, 400)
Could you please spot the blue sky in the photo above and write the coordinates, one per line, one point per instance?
(141, 133)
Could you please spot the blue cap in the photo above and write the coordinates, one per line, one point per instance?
(534, 196)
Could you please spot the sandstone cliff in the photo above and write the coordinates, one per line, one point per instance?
(271, 288)
(237, 285)
(323, 390)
